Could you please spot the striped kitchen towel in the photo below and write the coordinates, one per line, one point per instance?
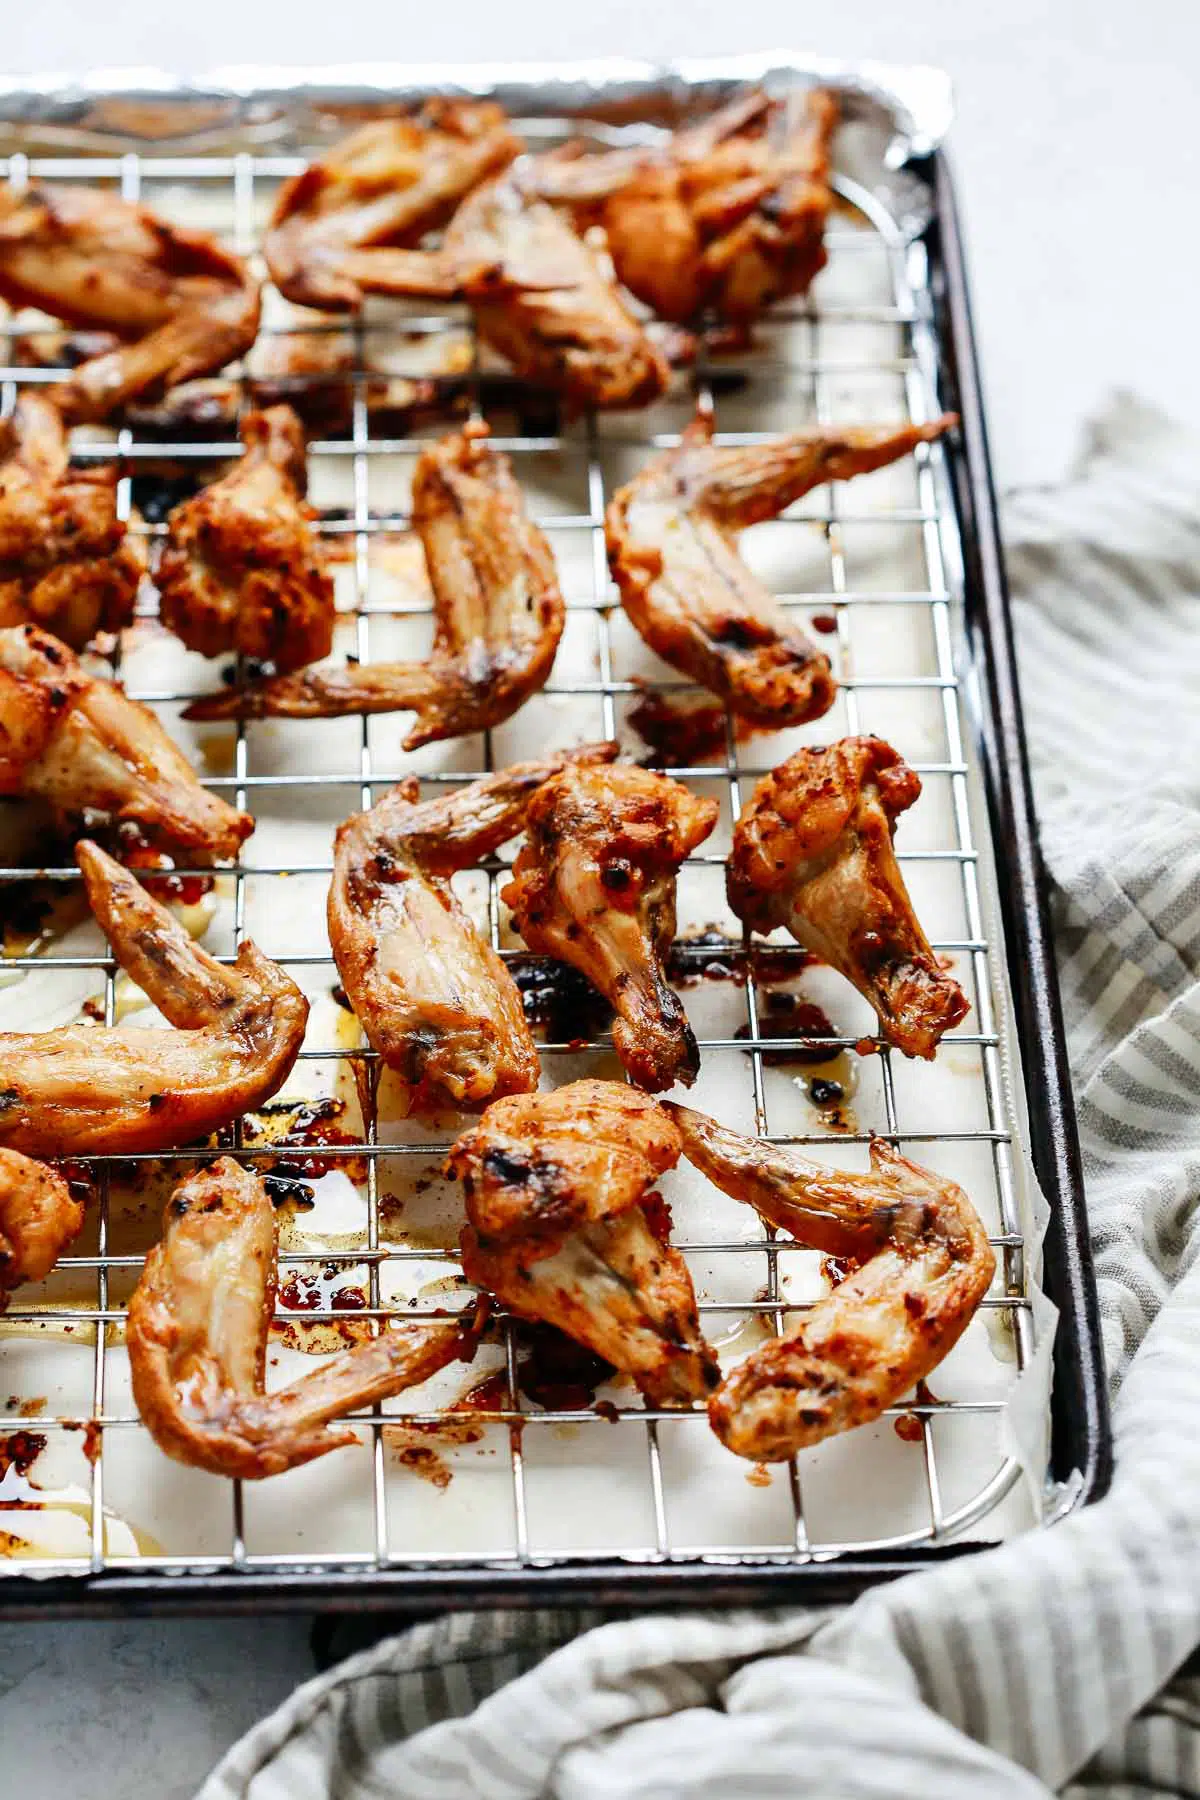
(1040, 1666)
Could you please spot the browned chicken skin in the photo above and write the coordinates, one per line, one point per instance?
(498, 611)
(923, 1264)
(433, 997)
(82, 1090)
(672, 548)
(181, 304)
(727, 219)
(813, 852)
(65, 560)
(594, 884)
(197, 1334)
(38, 1219)
(80, 744)
(555, 1185)
(382, 187)
(243, 569)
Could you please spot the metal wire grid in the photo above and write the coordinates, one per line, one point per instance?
(933, 516)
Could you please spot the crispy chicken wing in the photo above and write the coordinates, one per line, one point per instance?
(728, 218)
(498, 611)
(79, 743)
(181, 304)
(65, 559)
(594, 884)
(672, 547)
(85, 1090)
(243, 568)
(923, 1264)
(554, 1187)
(813, 852)
(197, 1334)
(382, 187)
(433, 997)
(38, 1219)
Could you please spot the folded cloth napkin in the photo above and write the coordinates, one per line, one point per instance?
(1024, 1670)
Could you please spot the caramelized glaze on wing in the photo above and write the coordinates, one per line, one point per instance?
(813, 852)
(672, 547)
(242, 569)
(65, 560)
(498, 611)
(594, 884)
(922, 1265)
(82, 1090)
(83, 746)
(197, 1335)
(181, 304)
(433, 997)
(382, 187)
(555, 1185)
(38, 1219)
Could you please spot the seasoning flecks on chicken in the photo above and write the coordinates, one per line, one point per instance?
(555, 1185)
(594, 885)
(672, 548)
(65, 559)
(382, 187)
(498, 611)
(39, 1217)
(79, 743)
(813, 852)
(181, 304)
(197, 1331)
(81, 1090)
(728, 218)
(433, 997)
(921, 1265)
(243, 569)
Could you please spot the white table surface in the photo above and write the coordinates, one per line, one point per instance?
(1075, 150)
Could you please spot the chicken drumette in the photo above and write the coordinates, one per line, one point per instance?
(433, 997)
(65, 559)
(498, 611)
(336, 223)
(39, 1217)
(594, 884)
(243, 569)
(727, 219)
(672, 547)
(813, 852)
(80, 744)
(197, 1333)
(921, 1263)
(82, 1090)
(180, 303)
(557, 1230)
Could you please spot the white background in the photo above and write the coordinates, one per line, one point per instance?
(1076, 153)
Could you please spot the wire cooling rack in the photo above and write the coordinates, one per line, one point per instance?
(514, 1484)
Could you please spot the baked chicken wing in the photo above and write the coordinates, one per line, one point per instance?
(80, 744)
(243, 569)
(921, 1265)
(197, 1332)
(813, 852)
(672, 548)
(727, 219)
(39, 1217)
(498, 612)
(382, 187)
(433, 997)
(65, 560)
(555, 1186)
(86, 1090)
(181, 304)
(594, 885)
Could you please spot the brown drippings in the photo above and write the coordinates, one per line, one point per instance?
(555, 1372)
(825, 622)
(19, 1451)
(784, 1015)
(678, 733)
(759, 1476)
(156, 870)
(304, 1125)
(415, 1446)
(908, 1426)
(340, 997)
(558, 998)
(836, 1268)
(707, 954)
(33, 912)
